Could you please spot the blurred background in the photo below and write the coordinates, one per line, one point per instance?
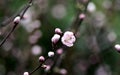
(92, 54)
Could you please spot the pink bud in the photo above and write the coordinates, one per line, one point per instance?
(47, 68)
(58, 31)
(17, 19)
(41, 59)
(82, 16)
(55, 38)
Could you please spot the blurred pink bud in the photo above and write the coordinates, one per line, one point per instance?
(55, 38)
(17, 19)
(44, 66)
(82, 16)
(59, 51)
(47, 68)
(26, 73)
(63, 71)
(58, 31)
(41, 59)
(50, 54)
(68, 38)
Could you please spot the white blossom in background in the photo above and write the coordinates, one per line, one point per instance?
(63, 71)
(111, 36)
(82, 65)
(42, 5)
(107, 4)
(59, 11)
(32, 25)
(68, 38)
(91, 7)
(103, 70)
(36, 50)
(27, 18)
(55, 38)
(30, 21)
(99, 19)
(7, 45)
(117, 5)
(35, 37)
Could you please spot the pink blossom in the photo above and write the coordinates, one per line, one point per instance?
(68, 38)
(55, 38)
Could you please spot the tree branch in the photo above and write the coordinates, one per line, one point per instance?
(15, 24)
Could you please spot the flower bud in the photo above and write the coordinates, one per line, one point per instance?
(55, 38)
(17, 19)
(50, 54)
(82, 16)
(117, 47)
(91, 7)
(26, 73)
(47, 68)
(58, 31)
(41, 59)
(44, 66)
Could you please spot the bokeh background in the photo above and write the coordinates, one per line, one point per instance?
(92, 54)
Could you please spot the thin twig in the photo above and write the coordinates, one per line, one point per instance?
(15, 24)
(9, 20)
(39, 66)
(78, 21)
(3, 41)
